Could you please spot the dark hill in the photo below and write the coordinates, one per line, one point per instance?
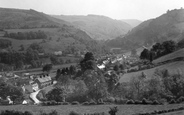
(98, 27)
(168, 26)
(18, 18)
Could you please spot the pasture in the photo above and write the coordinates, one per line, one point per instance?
(173, 68)
(179, 53)
(123, 109)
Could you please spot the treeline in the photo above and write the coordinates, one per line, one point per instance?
(27, 35)
(158, 50)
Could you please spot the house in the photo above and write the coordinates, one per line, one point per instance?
(42, 80)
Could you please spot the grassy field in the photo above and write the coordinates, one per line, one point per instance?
(179, 53)
(173, 68)
(66, 109)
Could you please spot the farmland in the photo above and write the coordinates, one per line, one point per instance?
(66, 109)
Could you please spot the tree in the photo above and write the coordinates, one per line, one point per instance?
(96, 84)
(169, 46)
(47, 67)
(57, 94)
(116, 68)
(138, 83)
(145, 54)
(88, 62)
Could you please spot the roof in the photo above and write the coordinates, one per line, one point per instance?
(44, 79)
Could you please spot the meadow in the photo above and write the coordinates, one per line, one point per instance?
(66, 109)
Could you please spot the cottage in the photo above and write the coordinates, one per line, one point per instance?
(42, 81)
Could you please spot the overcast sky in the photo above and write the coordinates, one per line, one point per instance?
(116, 9)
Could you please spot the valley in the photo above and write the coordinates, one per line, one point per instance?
(91, 64)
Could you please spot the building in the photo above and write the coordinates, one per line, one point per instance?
(42, 80)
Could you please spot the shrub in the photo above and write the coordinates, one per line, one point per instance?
(66, 103)
(130, 101)
(60, 103)
(92, 103)
(181, 99)
(54, 112)
(144, 101)
(155, 102)
(85, 103)
(109, 100)
(75, 103)
(172, 101)
(53, 102)
(74, 113)
(113, 111)
(138, 102)
(12, 112)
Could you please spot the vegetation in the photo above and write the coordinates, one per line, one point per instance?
(26, 35)
(5, 43)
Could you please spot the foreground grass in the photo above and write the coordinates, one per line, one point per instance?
(66, 109)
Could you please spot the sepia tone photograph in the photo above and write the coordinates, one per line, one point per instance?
(91, 57)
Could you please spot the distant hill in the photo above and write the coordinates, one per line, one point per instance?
(18, 18)
(98, 27)
(132, 22)
(60, 35)
(168, 26)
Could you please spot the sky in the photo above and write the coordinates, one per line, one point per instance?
(115, 9)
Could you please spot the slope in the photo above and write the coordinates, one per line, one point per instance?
(60, 35)
(132, 22)
(18, 18)
(168, 26)
(98, 27)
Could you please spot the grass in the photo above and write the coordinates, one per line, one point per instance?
(173, 68)
(179, 53)
(66, 109)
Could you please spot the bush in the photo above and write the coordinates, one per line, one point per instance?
(66, 103)
(181, 99)
(85, 103)
(172, 101)
(74, 113)
(130, 101)
(138, 102)
(109, 100)
(12, 112)
(53, 102)
(120, 101)
(155, 102)
(60, 103)
(75, 103)
(54, 112)
(144, 101)
(92, 103)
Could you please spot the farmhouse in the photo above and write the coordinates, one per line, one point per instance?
(42, 80)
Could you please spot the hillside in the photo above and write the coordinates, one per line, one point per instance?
(18, 18)
(23, 25)
(98, 27)
(168, 26)
(179, 53)
(132, 22)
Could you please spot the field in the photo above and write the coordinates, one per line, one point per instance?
(39, 70)
(179, 53)
(66, 109)
(173, 67)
